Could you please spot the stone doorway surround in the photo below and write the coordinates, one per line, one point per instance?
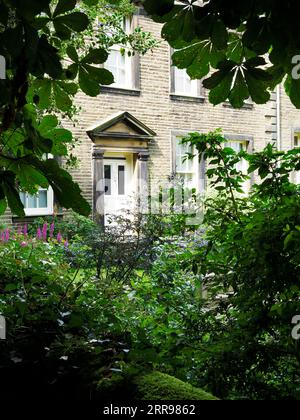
(124, 134)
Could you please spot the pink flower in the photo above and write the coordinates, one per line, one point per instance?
(52, 227)
(39, 233)
(2, 236)
(59, 237)
(23, 244)
(44, 231)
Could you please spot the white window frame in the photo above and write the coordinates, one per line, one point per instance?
(39, 211)
(181, 151)
(192, 165)
(194, 84)
(129, 82)
(195, 91)
(244, 164)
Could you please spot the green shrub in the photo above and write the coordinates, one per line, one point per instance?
(251, 269)
(62, 331)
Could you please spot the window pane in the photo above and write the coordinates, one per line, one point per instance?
(179, 164)
(43, 202)
(238, 146)
(183, 84)
(121, 180)
(187, 180)
(182, 163)
(107, 179)
(235, 145)
(23, 198)
(32, 202)
(116, 63)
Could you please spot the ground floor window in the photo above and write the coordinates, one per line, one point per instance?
(185, 169)
(239, 146)
(39, 204)
(242, 166)
(192, 171)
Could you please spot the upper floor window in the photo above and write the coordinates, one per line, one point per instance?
(182, 83)
(120, 64)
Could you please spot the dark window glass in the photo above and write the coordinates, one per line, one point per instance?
(107, 179)
(121, 180)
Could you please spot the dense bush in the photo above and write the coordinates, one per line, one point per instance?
(251, 271)
(250, 351)
(61, 334)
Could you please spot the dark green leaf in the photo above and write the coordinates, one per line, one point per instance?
(239, 91)
(64, 6)
(219, 35)
(95, 56)
(72, 53)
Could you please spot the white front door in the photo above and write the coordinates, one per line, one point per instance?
(118, 190)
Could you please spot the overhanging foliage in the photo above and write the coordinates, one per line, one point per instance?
(252, 45)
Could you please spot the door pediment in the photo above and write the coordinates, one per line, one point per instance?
(121, 129)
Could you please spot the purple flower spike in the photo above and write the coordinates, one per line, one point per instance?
(39, 233)
(25, 230)
(44, 232)
(52, 227)
(66, 244)
(59, 237)
(7, 235)
(2, 237)
(19, 230)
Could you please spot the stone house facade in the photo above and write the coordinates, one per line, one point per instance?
(130, 133)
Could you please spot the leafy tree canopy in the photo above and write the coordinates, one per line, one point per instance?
(252, 45)
(52, 50)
